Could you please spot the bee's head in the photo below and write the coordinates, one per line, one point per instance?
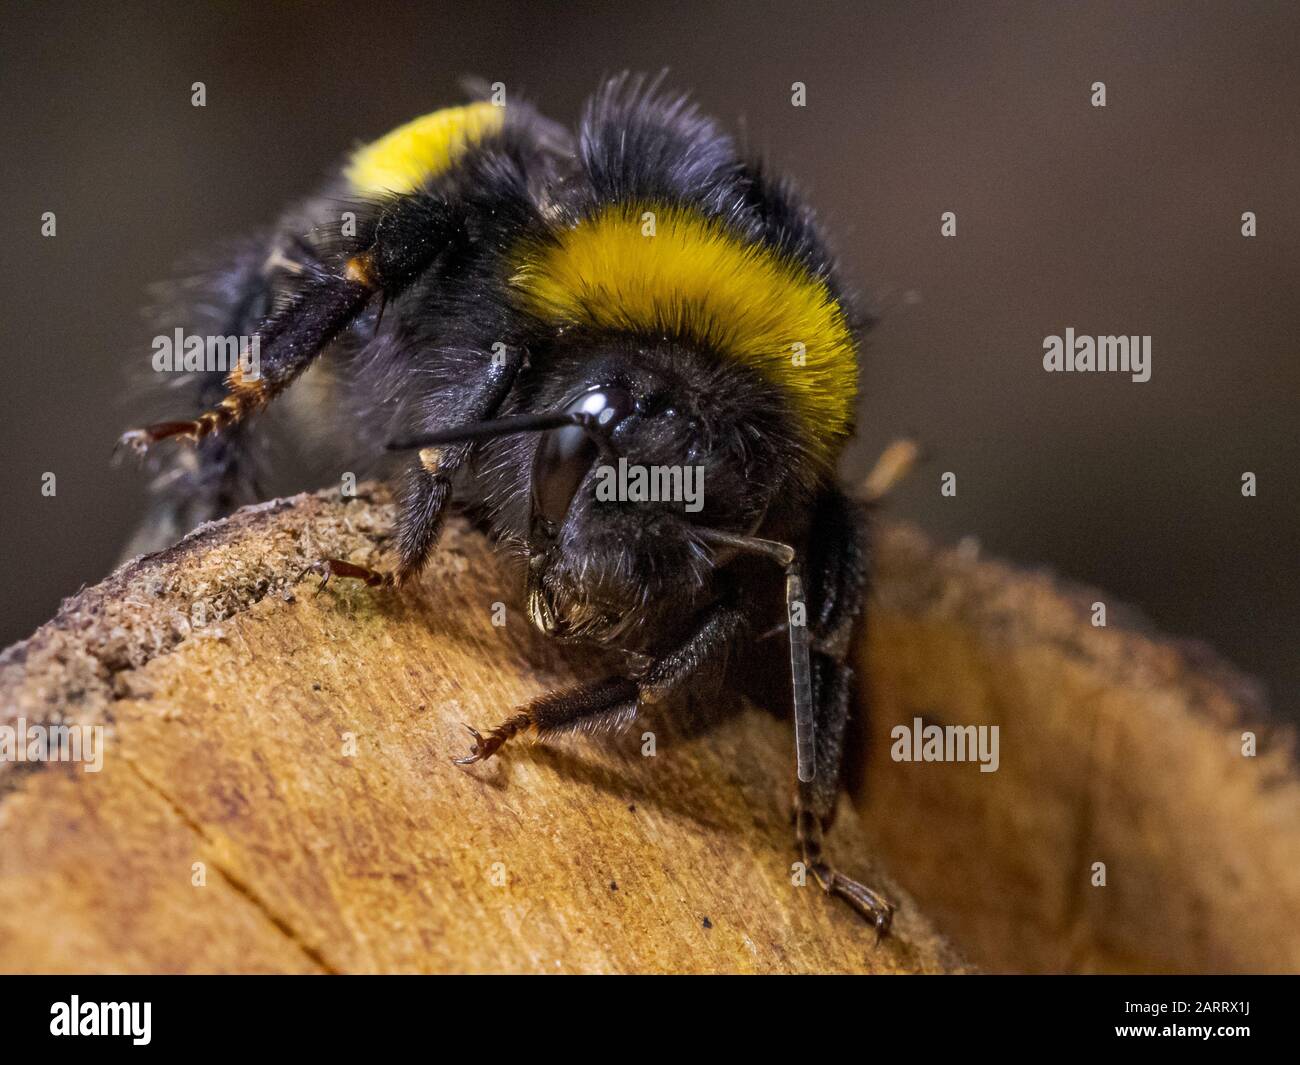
(662, 450)
(605, 535)
(618, 464)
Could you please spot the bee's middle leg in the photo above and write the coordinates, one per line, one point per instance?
(426, 492)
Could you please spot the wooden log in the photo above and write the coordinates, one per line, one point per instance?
(276, 792)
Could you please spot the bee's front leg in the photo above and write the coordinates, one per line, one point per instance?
(611, 700)
(838, 574)
(426, 492)
(701, 659)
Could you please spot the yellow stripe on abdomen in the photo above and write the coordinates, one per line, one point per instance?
(402, 160)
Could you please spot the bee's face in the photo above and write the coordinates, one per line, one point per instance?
(612, 558)
(602, 556)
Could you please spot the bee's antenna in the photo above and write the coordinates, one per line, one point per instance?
(796, 627)
(519, 423)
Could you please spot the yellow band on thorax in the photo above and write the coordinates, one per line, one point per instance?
(670, 271)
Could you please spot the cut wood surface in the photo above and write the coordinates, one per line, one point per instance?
(277, 795)
(298, 747)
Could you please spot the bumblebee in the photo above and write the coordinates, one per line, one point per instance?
(518, 309)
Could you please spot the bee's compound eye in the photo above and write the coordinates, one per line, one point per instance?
(565, 456)
(607, 406)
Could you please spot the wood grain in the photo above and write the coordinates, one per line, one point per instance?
(294, 749)
(297, 746)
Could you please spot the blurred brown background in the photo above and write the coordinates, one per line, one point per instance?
(1117, 220)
